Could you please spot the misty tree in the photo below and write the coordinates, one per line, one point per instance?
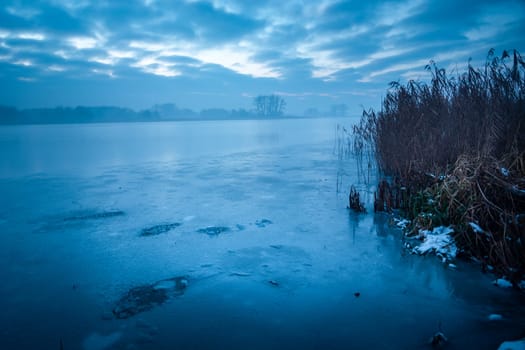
(339, 110)
(312, 112)
(269, 105)
(165, 110)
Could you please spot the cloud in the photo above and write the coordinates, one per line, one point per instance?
(304, 94)
(56, 68)
(495, 20)
(407, 67)
(304, 49)
(25, 63)
(81, 43)
(10, 36)
(238, 59)
(215, 24)
(392, 13)
(31, 36)
(154, 65)
(27, 79)
(327, 47)
(23, 12)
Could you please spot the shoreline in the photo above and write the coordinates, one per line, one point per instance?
(184, 119)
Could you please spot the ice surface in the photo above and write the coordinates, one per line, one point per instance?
(286, 275)
(98, 341)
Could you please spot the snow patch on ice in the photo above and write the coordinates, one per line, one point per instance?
(476, 228)
(513, 345)
(240, 274)
(503, 283)
(100, 342)
(440, 177)
(166, 284)
(518, 190)
(402, 223)
(438, 241)
(522, 285)
(495, 317)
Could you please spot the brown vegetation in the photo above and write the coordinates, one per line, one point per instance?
(454, 154)
(354, 201)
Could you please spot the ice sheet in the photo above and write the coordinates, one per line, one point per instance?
(284, 275)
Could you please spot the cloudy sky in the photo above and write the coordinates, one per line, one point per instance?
(222, 53)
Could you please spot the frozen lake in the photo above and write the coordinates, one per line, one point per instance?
(235, 228)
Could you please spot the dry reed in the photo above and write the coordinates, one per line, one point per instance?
(453, 152)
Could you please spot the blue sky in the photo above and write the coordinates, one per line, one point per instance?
(222, 53)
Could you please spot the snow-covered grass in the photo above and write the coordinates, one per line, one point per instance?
(437, 241)
(402, 223)
(447, 163)
(476, 228)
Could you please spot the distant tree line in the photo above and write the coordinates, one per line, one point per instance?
(269, 105)
(336, 110)
(64, 115)
(159, 112)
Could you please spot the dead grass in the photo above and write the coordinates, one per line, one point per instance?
(454, 153)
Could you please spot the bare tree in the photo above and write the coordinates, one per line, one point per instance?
(269, 105)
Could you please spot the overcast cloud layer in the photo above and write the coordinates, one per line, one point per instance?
(221, 53)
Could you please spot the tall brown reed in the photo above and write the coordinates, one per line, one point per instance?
(460, 142)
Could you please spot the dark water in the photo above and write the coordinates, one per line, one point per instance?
(249, 213)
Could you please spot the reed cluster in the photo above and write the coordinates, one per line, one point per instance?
(452, 152)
